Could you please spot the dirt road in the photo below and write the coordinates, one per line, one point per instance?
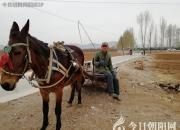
(142, 100)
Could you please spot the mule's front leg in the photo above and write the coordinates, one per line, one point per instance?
(45, 108)
(58, 108)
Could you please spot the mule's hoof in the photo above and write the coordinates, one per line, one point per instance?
(58, 127)
(69, 102)
(69, 105)
(79, 103)
(44, 126)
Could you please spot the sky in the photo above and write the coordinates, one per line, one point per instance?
(57, 21)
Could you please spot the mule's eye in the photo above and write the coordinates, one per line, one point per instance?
(17, 53)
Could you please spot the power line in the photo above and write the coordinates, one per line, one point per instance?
(70, 20)
(49, 13)
(73, 21)
(113, 2)
(53, 14)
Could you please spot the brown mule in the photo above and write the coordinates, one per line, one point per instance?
(25, 48)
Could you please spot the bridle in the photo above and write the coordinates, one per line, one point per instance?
(27, 57)
(60, 68)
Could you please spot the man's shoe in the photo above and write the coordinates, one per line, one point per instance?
(115, 96)
(111, 94)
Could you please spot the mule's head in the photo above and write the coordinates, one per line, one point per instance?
(17, 55)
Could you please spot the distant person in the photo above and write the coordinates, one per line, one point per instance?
(130, 52)
(103, 64)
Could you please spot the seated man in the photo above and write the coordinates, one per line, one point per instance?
(103, 64)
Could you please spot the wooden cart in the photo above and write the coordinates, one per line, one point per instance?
(93, 77)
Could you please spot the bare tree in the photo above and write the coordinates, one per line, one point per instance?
(178, 37)
(140, 21)
(163, 25)
(155, 38)
(147, 20)
(169, 35)
(151, 29)
(174, 28)
(143, 19)
(121, 44)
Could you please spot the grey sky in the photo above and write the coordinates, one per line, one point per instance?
(106, 21)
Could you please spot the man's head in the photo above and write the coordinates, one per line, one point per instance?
(104, 47)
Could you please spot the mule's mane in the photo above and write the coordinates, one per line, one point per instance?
(40, 47)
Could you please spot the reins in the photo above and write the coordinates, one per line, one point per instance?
(15, 74)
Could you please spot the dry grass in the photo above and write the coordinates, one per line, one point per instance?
(167, 60)
(166, 66)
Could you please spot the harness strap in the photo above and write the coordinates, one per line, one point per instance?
(28, 50)
(27, 47)
(69, 51)
(15, 74)
(50, 66)
(60, 65)
(56, 83)
(18, 44)
(60, 68)
(39, 80)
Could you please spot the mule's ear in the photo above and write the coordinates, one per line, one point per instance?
(25, 29)
(14, 29)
